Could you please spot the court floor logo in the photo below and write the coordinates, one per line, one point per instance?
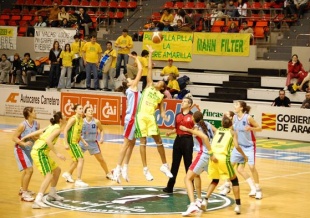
(131, 200)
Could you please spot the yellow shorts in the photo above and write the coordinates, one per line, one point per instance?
(146, 125)
(75, 152)
(43, 161)
(222, 169)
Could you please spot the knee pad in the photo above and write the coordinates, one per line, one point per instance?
(215, 182)
(235, 182)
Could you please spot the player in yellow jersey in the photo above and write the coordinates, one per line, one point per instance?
(72, 135)
(152, 97)
(224, 140)
(47, 166)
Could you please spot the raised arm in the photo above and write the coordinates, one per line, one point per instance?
(139, 74)
(150, 66)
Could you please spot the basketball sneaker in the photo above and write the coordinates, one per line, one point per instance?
(125, 174)
(220, 188)
(54, 197)
(27, 197)
(204, 205)
(198, 202)
(252, 193)
(21, 192)
(237, 209)
(67, 177)
(192, 209)
(80, 183)
(148, 175)
(259, 194)
(116, 175)
(225, 191)
(165, 169)
(39, 204)
(109, 176)
(168, 190)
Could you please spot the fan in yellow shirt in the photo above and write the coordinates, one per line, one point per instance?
(107, 77)
(76, 48)
(173, 85)
(67, 57)
(169, 69)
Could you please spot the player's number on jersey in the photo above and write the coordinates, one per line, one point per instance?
(221, 137)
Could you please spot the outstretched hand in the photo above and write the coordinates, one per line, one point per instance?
(151, 50)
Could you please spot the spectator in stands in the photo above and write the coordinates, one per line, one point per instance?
(108, 77)
(298, 7)
(282, 100)
(179, 25)
(217, 14)
(187, 20)
(132, 69)
(167, 16)
(123, 43)
(76, 48)
(152, 27)
(169, 69)
(54, 61)
(91, 55)
(16, 67)
(177, 17)
(40, 23)
(231, 10)
(144, 62)
(165, 26)
(5, 67)
(66, 69)
(28, 70)
(289, 13)
(306, 102)
(53, 14)
(173, 85)
(65, 23)
(84, 21)
(306, 81)
(242, 8)
(233, 28)
(295, 70)
(62, 15)
(207, 18)
(215, 3)
(247, 29)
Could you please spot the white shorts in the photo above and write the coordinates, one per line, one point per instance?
(200, 163)
(249, 151)
(23, 157)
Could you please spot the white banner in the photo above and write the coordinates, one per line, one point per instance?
(45, 37)
(13, 101)
(8, 35)
(276, 122)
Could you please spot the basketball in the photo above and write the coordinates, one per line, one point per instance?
(157, 37)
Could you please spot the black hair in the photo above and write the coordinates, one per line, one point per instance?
(86, 109)
(4, 55)
(198, 118)
(190, 100)
(125, 30)
(27, 54)
(108, 42)
(144, 53)
(69, 47)
(226, 122)
(27, 111)
(56, 118)
(75, 106)
(76, 36)
(134, 53)
(245, 107)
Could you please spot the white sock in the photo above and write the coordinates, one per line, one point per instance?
(227, 184)
(145, 168)
(118, 167)
(52, 191)
(251, 183)
(257, 186)
(125, 166)
(165, 164)
(39, 197)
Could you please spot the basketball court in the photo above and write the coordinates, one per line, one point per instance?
(283, 166)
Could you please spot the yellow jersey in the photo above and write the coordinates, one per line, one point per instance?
(144, 62)
(112, 54)
(76, 47)
(40, 144)
(149, 100)
(74, 133)
(67, 58)
(173, 84)
(167, 70)
(92, 52)
(124, 41)
(222, 142)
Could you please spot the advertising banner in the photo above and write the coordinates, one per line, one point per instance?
(13, 102)
(107, 109)
(8, 36)
(45, 37)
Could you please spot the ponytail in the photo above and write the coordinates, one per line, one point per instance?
(56, 118)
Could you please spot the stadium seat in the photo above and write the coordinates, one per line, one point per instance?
(65, 2)
(132, 5)
(29, 2)
(103, 4)
(22, 30)
(254, 17)
(189, 5)
(75, 3)
(2, 23)
(178, 5)
(266, 5)
(24, 11)
(93, 3)
(168, 5)
(6, 11)
(119, 15)
(217, 26)
(27, 18)
(20, 2)
(200, 5)
(113, 4)
(15, 11)
(47, 2)
(5, 17)
(259, 29)
(90, 12)
(84, 3)
(156, 16)
(23, 23)
(122, 5)
(265, 17)
(12, 23)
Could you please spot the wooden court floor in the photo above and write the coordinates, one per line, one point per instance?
(285, 184)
